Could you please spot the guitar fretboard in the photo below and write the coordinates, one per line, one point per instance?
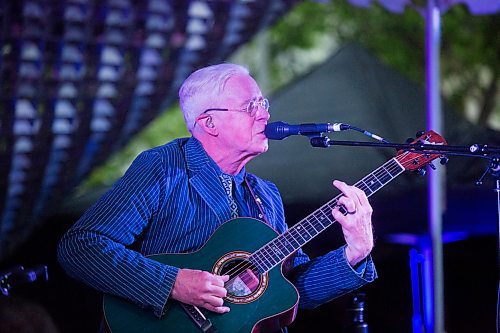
(277, 250)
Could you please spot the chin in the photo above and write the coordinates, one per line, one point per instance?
(262, 149)
(259, 147)
(264, 146)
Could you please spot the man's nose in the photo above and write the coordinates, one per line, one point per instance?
(262, 114)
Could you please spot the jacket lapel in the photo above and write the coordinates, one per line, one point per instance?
(205, 180)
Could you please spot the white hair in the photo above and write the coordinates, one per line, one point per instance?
(203, 87)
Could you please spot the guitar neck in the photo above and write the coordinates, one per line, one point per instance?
(277, 250)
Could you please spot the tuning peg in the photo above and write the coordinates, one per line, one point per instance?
(419, 134)
(443, 160)
(432, 166)
(421, 172)
(410, 140)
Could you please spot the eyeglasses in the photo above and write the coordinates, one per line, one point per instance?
(251, 109)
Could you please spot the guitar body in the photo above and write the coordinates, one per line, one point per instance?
(255, 306)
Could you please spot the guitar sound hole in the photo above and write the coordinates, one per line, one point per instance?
(244, 277)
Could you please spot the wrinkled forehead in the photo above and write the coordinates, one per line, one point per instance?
(241, 87)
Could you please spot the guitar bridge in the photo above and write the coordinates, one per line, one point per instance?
(202, 322)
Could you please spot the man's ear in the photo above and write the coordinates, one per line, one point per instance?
(206, 123)
(209, 122)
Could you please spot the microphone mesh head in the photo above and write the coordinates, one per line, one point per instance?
(276, 130)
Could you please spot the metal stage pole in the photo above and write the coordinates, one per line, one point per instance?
(434, 313)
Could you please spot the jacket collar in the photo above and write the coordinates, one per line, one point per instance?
(196, 157)
(204, 178)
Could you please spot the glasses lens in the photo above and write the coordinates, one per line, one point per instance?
(253, 106)
(265, 104)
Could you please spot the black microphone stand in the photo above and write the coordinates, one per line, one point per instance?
(475, 150)
(492, 154)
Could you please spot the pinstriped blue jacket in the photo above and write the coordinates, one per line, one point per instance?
(171, 200)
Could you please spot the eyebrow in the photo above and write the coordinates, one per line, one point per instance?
(257, 98)
(245, 102)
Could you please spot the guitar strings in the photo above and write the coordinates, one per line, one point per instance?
(246, 264)
(235, 271)
(238, 269)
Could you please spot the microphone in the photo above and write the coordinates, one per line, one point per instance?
(280, 130)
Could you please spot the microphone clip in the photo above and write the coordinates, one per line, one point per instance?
(319, 141)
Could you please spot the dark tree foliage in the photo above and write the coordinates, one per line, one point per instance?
(470, 46)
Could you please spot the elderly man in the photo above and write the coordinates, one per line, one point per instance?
(174, 197)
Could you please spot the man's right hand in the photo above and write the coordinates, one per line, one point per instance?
(201, 288)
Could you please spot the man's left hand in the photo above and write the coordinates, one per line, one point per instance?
(357, 224)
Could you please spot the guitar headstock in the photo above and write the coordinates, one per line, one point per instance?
(415, 161)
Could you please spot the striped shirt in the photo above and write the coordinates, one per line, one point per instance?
(171, 200)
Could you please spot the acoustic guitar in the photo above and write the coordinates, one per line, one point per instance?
(261, 299)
